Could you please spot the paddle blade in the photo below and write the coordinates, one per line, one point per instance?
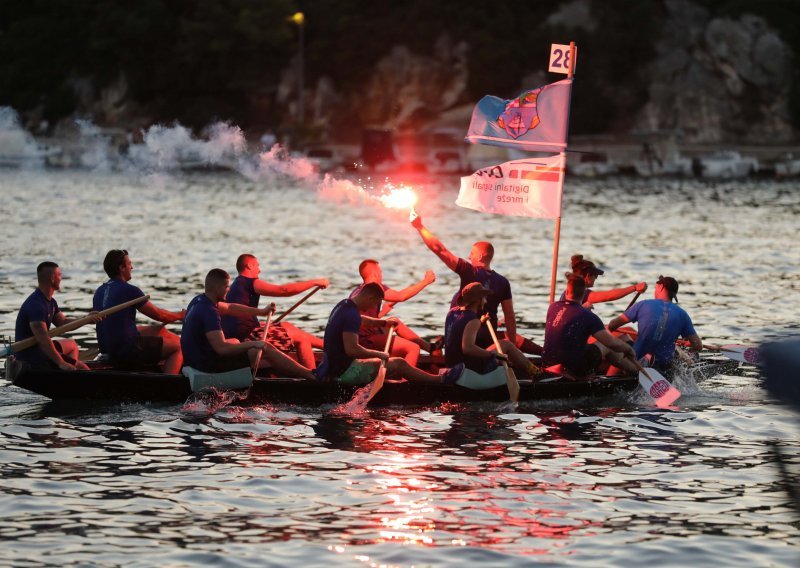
(513, 385)
(742, 353)
(658, 387)
(377, 384)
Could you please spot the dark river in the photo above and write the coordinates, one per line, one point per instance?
(599, 482)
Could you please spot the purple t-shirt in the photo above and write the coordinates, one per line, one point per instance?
(498, 284)
(344, 318)
(116, 334)
(660, 324)
(35, 308)
(242, 291)
(569, 325)
(202, 316)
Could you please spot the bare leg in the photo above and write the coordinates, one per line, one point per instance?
(407, 333)
(619, 365)
(298, 334)
(404, 348)
(282, 363)
(516, 357)
(398, 367)
(302, 344)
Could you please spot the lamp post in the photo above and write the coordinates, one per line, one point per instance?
(299, 19)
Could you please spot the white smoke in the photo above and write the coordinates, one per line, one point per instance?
(17, 145)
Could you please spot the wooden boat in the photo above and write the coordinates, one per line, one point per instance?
(105, 383)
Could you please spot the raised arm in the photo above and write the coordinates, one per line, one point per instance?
(600, 296)
(241, 311)
(263, 288)
(433, 243)
(164, 316)
(395, 296)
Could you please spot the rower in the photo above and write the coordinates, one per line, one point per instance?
(130, 346)
(661, 322)
(569, 326)
(464, 334)
(247, 289)
(206, 349)
(347, 361)
(587, 270)
(36, 314)
(407, 344)
(478, 269)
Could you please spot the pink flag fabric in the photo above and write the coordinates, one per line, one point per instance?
(524, 188)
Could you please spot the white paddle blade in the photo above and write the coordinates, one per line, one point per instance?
(742, 353)
(659, 388)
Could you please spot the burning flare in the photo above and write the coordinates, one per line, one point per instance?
(402, 197)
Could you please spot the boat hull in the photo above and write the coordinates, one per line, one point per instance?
(118, 386)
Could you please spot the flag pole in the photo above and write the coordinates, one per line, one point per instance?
(562, 174)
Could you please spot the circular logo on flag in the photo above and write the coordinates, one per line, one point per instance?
(659, 389)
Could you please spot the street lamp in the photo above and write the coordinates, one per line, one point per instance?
(299, 19)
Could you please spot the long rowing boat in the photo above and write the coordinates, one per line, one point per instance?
(102, 382)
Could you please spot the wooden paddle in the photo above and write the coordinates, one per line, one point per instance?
(73, 325)
(636, 297)
(511, 378)
(263, 338)
(657, 386)
(377, 384)
(300, 301)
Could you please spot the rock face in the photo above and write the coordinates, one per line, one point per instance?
(719, 80)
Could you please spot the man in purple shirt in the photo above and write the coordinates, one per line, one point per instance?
(568, 330)
(37, 313)
(478, 269)
(129, 345)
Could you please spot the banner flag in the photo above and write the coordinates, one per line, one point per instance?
(535, 121)
(525, 188)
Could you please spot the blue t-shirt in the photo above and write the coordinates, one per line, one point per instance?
(568, 326)
(660, 324)
(457, 320)
(498, 284)
(116, 334)
(344, 318)
(242, 291)
(373, 313)
(35, 308)
(202, 316)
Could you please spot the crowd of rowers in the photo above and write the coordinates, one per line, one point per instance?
(221, 329)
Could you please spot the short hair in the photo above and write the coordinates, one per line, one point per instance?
(242, 260)
(576, 286)
(216, 276)
(45, 269)
(371, 290)
(113, 260)
(364, 263)
(486, 247)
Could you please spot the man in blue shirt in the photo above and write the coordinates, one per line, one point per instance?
(569, 327)
(247, 289)
(349, 362)
(36, 314)
(118, 336)
(206, 348)
(478, 269)
(661, 322)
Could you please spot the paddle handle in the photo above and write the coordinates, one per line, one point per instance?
(295, 306)
(511, 378)
(263, 338)
(73, 325)
(642, 370)
(636, 297)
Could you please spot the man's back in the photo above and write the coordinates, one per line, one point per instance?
(36, 307)
(344, 318)
(242, 291)
(116, 334)
(497, 283)
(202, 316)
(660, 324)
(569, 325)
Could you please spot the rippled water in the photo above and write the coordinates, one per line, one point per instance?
(587, 482)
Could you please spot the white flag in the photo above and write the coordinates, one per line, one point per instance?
(525, 188)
